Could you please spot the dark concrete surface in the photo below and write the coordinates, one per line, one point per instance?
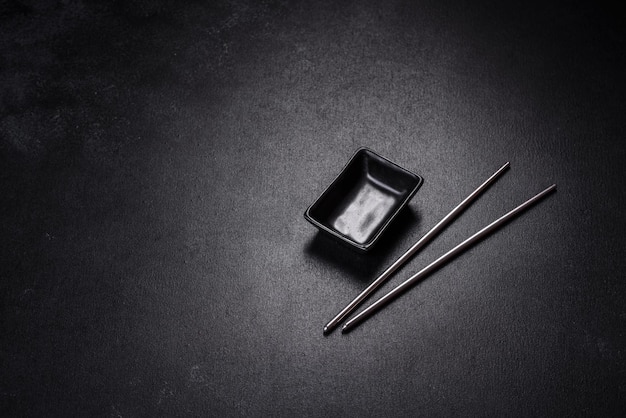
(156, 159)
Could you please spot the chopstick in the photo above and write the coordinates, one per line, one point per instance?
(404, 257)
(369, 311)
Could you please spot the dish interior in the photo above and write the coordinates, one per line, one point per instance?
(366, 194)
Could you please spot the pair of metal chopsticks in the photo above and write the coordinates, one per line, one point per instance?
(366, 313)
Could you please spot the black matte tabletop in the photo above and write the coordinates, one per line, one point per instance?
(157, 158)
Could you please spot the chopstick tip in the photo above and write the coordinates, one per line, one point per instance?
(550, 188)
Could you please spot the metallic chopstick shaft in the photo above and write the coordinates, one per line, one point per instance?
(369, 311)
(409, 253)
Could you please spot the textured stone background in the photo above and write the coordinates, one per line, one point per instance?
(156, 159)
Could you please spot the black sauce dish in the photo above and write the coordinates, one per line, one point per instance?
(363, 200)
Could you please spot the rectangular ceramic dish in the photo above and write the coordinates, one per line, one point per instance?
(362, 201)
